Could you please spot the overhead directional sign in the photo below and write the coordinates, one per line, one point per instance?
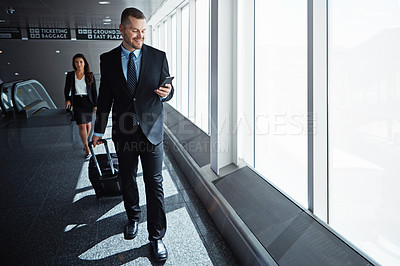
(98, 34)
(49, 33)
(10, 33)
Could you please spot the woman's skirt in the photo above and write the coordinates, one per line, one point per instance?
(83, 109)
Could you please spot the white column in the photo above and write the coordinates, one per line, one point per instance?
(168, 50)
(234, 90)
(178, 58)
(155, 38)
(223, 84)
(149, 35)
(192, 60)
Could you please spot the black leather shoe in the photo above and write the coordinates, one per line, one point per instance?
(131, 229)
(159, 250)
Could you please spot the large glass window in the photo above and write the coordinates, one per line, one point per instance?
(281, 94)
(202, 41)
(185, 61)
(364, 125)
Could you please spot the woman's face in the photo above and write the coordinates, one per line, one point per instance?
(79, 63)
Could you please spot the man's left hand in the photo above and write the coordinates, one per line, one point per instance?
(163, 91)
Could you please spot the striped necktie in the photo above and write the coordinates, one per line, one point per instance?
(132, 81)
(131, 74)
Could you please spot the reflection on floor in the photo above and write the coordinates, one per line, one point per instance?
(50, 215)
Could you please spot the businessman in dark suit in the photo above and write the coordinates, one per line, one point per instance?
(131, 75)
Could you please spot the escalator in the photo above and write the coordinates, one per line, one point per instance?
(27, 104)
(30, 115)
(23, 99)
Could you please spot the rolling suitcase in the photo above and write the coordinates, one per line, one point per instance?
(103, 172)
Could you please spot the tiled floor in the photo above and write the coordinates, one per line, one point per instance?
(50, 216)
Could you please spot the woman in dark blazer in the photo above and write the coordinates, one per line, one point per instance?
(80, 94)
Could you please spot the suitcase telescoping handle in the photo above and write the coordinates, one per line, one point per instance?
(108, 156)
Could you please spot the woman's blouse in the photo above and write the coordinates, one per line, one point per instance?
(80, 86)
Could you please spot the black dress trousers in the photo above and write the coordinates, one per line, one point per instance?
(151, 156)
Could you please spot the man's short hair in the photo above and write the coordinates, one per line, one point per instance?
(131, 11)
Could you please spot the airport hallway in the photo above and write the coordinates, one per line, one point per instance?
(50, 215)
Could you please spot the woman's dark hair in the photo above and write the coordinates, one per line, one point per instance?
(88, 74)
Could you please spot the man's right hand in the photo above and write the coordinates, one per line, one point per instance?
(67, 104)
(95, 139)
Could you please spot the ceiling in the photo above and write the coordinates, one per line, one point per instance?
(70, 13)
(48, 60)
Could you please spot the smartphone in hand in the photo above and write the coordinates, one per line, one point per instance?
(167, 80)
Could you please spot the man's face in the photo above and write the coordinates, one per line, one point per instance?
(133, 33)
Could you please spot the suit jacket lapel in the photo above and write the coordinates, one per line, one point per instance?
(120, 72)
(143, 69)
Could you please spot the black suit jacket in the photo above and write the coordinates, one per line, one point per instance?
(70, 87)
(145, 103)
